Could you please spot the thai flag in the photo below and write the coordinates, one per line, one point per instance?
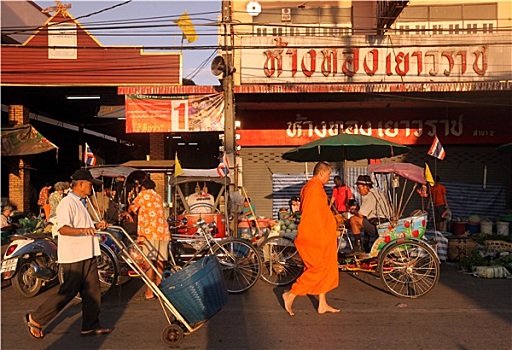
(89, 157)
(436, 150)
(223, 167)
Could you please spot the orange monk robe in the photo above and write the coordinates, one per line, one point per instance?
(316, 242)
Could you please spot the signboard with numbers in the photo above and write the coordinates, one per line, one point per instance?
(149, 114)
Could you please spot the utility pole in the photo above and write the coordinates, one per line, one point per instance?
(229, 109)
(227, 85)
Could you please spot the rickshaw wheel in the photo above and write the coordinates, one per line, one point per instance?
(409, 268)
(240, 263)
(281, 263)
(172, 335)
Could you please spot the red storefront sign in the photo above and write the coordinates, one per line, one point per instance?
(403, 126)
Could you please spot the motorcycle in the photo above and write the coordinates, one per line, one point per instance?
(30, 262)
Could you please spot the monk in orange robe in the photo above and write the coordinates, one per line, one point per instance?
(316, 243)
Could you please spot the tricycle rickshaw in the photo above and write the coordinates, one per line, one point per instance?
(403, 259)
(201, 200)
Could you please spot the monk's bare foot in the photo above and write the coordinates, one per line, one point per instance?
(327, 308)
(288, 301)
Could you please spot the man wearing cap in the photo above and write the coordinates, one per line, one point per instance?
(375, 209)
(77, 250)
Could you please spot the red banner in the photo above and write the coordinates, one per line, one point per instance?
(404, 126)
(153, 114)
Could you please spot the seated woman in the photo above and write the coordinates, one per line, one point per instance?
(249, 210)
(295, 208)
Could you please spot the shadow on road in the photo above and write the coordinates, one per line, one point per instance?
(113, 307)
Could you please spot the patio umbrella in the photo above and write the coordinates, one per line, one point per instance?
(507, 148)
(344, 147)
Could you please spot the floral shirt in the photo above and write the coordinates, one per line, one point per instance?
(54, 201)
(150, 216)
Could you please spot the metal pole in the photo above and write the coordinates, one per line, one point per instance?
(229, 111)
(227, 84)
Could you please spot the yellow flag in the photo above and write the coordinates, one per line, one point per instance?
(187, 27)
(428, 175)
(177, 166)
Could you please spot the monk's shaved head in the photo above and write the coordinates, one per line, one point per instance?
(321, 166)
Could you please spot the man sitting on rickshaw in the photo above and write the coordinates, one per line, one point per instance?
(201, 202)
(374, 209)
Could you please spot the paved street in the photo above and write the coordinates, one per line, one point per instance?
(462, 312)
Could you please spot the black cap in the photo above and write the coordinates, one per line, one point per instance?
(84, 174)
(364, 180)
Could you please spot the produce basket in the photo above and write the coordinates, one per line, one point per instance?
(198, 291)
(460, 247)
(498, 246)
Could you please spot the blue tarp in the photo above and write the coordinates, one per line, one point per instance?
(467, 199)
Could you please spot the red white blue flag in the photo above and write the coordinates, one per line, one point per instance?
(223, 167)
(436, 150)
(89, 157)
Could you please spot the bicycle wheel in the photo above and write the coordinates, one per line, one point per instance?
(280, 261)
(240, 263)
(409, 268)
(108, 271)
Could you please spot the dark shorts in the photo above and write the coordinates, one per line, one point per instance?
(369, 226)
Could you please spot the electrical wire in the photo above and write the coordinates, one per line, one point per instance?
(103, 10)
(147, 23)
(196, 71)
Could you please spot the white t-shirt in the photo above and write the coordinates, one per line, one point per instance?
(71, 212)
(196, 201)
(375, 205)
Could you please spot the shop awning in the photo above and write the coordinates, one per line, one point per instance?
(23, 140)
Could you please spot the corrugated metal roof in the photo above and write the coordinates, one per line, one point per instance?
(328, 88)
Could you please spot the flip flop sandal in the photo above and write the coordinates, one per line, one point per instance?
(99, 331)
(32, 326)
(143, 297)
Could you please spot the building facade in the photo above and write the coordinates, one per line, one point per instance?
(315, 69)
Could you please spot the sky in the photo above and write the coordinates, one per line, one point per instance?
(121, 23)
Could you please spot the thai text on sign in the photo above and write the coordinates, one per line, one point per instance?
(150, 114)
(297, 60)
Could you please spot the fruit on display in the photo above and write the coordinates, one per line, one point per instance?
(286, 227)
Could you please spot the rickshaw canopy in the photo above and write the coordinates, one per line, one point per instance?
(406, 170)
(112, 171)
(199, 175)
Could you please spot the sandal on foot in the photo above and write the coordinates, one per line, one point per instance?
(99, 331)
(143, 297)
(31, 326)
